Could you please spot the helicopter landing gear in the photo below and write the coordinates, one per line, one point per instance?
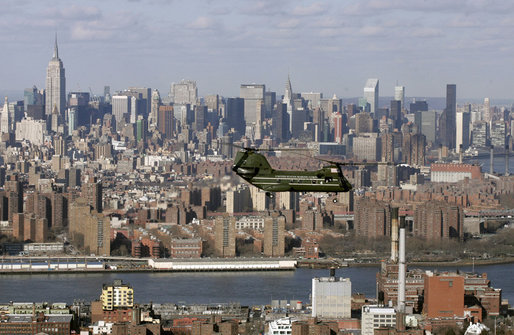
(270, 195)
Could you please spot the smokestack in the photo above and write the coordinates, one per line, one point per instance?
(440, 152)
(394, 234)
(507, 160)
(491, 171)
(401, 268)
(460, 153)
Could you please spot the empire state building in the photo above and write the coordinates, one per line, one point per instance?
(55, 85)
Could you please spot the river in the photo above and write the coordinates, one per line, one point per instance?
(247, 288)
(498, 163)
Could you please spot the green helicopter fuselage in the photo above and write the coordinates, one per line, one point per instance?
(255, 169)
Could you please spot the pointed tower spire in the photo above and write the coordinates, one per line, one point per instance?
(56, 49)
(288, 95)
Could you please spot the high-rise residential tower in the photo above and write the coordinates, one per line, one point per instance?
(371, 94)
(225, 236)
(274, 241)
(55, 84)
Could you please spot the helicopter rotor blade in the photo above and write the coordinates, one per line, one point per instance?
(266, 150)
(364, 163)
(352, 163)
(284, 149)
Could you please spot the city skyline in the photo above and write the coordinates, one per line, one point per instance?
(326, 46)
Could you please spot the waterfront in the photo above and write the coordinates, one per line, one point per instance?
(248, 288)
(498, 163)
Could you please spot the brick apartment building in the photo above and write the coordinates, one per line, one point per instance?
(274, 236)
(146, 247)
(225, 236)
(372, 218)
(186, 248)
(438, 220)
(27, 324)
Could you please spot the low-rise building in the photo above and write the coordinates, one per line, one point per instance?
(452, 173)
(374, 317)
(41, 323)
(117, 295)
(280, 326)
(186, 248)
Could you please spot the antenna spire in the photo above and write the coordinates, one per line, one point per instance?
(56, 49)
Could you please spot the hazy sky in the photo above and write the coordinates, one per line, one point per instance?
(328, 46)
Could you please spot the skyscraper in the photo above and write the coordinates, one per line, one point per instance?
(5, 120)
(165, 121)
(486, 111)
(371, 94)
(338, 127)
(447, 121)
(144, 96)
(31, 97)
(55, 84)
(288, 100)
(396, 113)
(428, 125)
(399, 94)
(253, 96)
(480, 134)
(498, 134)
(280, 125)
(184, 92)
(154, 108)
(121, 106)
(462, 138)
(235, 114)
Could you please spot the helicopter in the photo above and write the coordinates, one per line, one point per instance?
(253, 167)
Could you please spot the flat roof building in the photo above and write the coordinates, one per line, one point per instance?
(374, 317)
(331, 297)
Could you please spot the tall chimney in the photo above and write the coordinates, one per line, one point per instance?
(440, 152)
(401, 268)
(394, 234)
(460, 153)
(507, 160)
(491, 171)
